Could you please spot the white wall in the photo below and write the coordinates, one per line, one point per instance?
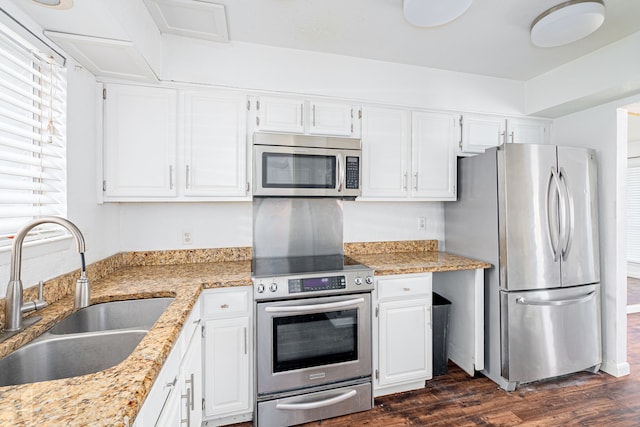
(609, 73)
(604, 128)
(258, 67)
(160, 226)
(97, 222)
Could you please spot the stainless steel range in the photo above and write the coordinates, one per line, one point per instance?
(313, 336)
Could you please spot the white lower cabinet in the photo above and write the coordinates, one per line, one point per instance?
(175, 399)
(227, 355)
(402, 333)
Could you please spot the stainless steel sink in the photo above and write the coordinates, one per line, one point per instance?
(90, 340)
(140, 313)
(54, 357)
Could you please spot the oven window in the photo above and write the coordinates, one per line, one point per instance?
(281, 170)
(304, 341)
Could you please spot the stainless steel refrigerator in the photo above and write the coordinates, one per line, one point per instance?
(531, 211)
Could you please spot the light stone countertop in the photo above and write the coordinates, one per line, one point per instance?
(113, 397)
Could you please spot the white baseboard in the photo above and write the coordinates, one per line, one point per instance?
(616, 369)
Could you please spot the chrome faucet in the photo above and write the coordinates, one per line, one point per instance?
(14, 306)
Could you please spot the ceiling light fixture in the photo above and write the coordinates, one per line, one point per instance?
(55, 4)
(431, 13)
(567, 22)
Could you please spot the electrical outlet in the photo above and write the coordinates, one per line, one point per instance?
(187, 238)
(422, 223)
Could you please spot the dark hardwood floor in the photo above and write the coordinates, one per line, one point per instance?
(455, 399)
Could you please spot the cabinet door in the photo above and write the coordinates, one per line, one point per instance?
(226, 366)
(279, 115)
(139, 141)
(385, 152)
(433, 156)
(333, 119)
(215, 146)
(482, 132)
(191, 383)
(404, 341)
(524, 131)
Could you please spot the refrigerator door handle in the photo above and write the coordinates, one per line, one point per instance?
(582, 299)
(554, 224)
(568, 220)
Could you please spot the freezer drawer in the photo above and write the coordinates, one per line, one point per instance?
(550, 333)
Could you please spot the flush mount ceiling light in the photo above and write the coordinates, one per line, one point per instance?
(567, 22)
(430, 13)
(55, 4)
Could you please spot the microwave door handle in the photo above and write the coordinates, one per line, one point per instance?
(340, 172)
(319, 404)
(352, 303)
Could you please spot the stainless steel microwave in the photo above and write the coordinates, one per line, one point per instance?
(289, 165)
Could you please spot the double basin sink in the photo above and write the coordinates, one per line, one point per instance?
(90, 340)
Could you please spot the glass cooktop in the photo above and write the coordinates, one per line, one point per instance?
(266, 267)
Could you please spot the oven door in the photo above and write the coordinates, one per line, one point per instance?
(308, 342)
(305, 171)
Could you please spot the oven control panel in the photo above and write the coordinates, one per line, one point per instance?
(313, 284)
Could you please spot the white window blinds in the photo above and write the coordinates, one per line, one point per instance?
(32, 137)
(633, 211)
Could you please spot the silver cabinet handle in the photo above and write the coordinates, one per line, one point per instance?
(314, 115)
(187, 176)
(415, 179)
(170, 177)
(190, 382)
(585, 298)
(352, 303)
(502, 138)
(246, 346)
(404, 181)
(340, 173)
(301, 114)
(315, 405)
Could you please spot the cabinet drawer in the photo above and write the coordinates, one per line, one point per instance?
(405, 286)
(222, 303)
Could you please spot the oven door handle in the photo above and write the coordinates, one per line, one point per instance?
(315, 307)
(315, 405)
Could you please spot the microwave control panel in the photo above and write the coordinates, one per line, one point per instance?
(353, 172)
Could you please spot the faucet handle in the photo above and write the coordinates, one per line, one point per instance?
(36, 304)
(40, 290)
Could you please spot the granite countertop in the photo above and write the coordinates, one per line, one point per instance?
(417, 262)
(407, 257)
(113, 397)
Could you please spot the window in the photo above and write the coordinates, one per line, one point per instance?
(32, 136)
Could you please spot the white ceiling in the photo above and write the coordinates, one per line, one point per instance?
(491, 38)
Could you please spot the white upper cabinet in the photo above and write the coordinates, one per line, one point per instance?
(334, 119)
(279, 115)
(528, 131)
(385, 152)
(139, 142)
(433, 156)
(215, 148)
(480, 132)
(408, 155)
(303, 116)
(168, 144)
